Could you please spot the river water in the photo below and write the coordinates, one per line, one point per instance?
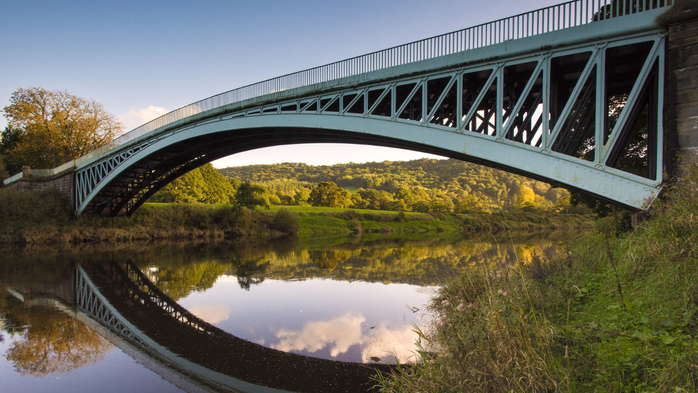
(253, 317)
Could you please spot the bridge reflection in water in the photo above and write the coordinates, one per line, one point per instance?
(118, 301)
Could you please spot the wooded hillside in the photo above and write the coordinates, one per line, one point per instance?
(446, 182)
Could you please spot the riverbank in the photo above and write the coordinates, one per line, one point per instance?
(350, 223)
(44, 218)
(618, 312)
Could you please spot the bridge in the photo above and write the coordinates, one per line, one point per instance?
(117, 301)
(572, 95)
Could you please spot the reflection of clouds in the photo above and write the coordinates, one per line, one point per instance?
(212, 314)
(340, 333)
(386, 343)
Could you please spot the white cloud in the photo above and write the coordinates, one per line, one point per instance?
(212, 314)
(138, 117)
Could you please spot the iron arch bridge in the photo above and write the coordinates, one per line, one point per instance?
(571, 95)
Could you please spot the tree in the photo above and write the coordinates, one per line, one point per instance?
(10, 138)
(525, 198)
(327, 194)
(52, 343)
(468, 204)
(201, 185)
(375, 199)
(301, 197)
(250, 195)
(56, 127)
(218, 190)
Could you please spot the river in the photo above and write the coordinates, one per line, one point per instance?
(284, 316)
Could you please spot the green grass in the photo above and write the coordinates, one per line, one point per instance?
(319, 209)
(618, 312)
(318, 226)
(351, 189)
(293, 208)
(43, 217)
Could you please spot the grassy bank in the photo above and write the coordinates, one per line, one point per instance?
(44, 218)
(356, 223)
(523, 221)
(619, 313)
(361, 223)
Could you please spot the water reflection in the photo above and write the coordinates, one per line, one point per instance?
(351, 301)
(212, 313)
(44, 340)
(380, 342)
(320, 317)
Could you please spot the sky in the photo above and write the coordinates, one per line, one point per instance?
(142, 59)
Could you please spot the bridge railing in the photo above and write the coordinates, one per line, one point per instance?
(544, 20)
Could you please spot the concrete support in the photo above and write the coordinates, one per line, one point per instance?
(63, 182)
(681, 90)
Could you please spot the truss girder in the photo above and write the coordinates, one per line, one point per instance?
(92, 302)
(523, 104)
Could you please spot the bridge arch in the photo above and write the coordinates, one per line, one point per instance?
(536, 114)
(565, 94)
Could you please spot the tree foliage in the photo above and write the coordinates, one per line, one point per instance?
(329, 195)
(418, 185)
(250, 195)
(201, 185)
(9, 139)
(49, 128)
(52, 342)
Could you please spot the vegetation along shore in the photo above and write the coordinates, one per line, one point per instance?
(44, 218)
(617, 313)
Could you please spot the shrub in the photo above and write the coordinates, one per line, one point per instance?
(286, 222)
(20, 210)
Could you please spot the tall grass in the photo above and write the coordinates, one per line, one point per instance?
(20, 210)
(617, 313)
(44, 217)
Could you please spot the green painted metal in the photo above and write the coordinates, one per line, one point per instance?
(404, 97)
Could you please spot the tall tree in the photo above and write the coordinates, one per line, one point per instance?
(201, 185)
(56, 127)
(250, 195)
(329, 195)
(9, 139)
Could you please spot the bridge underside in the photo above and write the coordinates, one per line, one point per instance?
(586, 117)
(134, 186)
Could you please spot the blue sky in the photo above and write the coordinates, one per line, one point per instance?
(143, 58)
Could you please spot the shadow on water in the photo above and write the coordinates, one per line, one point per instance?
(139, 286)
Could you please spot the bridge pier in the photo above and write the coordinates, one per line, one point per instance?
(681, 93)
(40, 179)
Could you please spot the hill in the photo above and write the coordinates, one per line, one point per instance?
(460, 182)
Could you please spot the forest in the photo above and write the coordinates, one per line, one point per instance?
(422, 185)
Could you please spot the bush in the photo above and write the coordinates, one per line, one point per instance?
(286, 222)
(21, 210)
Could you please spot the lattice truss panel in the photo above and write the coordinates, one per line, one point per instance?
(90, 301)
(598, 104)
(140, 289)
